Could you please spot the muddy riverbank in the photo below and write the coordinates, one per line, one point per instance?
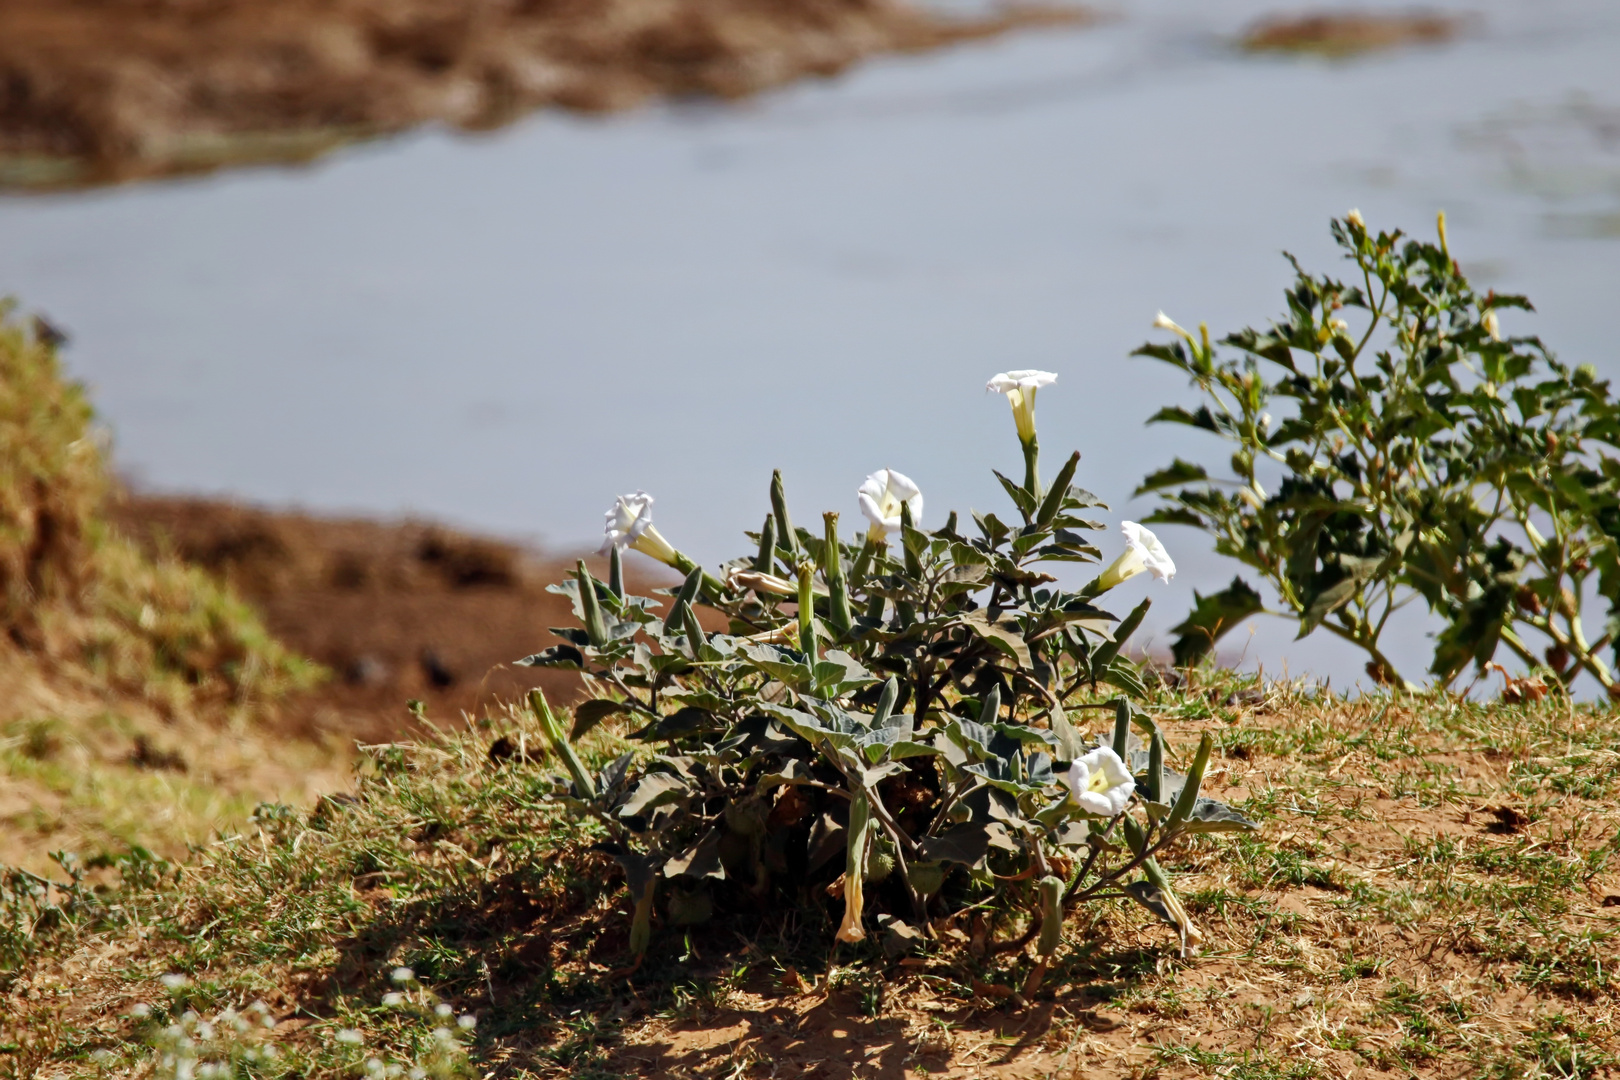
(92, 91)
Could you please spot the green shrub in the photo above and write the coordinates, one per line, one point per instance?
(902, 714)
(1417, 455)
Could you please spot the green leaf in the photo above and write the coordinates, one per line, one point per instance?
(1021, 498)
(652, 791)
(587, 714)
(1003, 634)
(1211, 618)
(1180, 472)
(560, 657)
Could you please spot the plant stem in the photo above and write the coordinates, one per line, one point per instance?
(1032, 458)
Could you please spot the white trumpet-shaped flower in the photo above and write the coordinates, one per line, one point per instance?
(1142, 552)
(761, 583)
(629, 524)
(1164, 322)
(1020, 387)
(882, 496)
(1100, 782)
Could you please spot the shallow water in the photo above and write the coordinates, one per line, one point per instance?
(507, 329)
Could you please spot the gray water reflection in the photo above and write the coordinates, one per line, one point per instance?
(506, 330)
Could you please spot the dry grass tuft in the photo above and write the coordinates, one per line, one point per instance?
(79, 597)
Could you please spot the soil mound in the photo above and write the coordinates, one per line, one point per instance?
(99, 90)
(396, 610)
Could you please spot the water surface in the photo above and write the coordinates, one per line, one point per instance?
(504, 330)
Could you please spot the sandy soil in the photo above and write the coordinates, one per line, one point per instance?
(98, 90)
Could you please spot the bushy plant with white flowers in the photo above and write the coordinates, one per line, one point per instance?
(891, 719)
(1389, 445)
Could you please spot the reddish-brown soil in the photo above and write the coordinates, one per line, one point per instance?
(94, 90)
(397, 611)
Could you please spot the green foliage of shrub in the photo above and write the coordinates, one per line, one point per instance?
(74, 592)
(900, 713)
(1412, 453)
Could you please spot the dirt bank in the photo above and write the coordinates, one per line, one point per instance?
(102, 90)
(396, 610)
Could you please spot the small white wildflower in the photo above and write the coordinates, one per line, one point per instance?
(205, 1030)
(1492, 326)
(466, 1021)
(184, 1069)
(1354, 218)
(444, 1035)
(402, 975)
(101, 1055)
(1161, 321)
(173, 981)
(374, 1067)
(349, 1037)
(392, 999)
(416, 1073)
(441, 1009)
(141, 1010)
(189, 1017)
(269, 1052)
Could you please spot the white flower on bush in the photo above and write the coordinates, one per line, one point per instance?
(882, 496)
(1100, 782)
(1162, 321)
(629, 525)
(1020, 387)
(1143, 552)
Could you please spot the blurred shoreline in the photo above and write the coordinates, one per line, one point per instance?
(94, 93)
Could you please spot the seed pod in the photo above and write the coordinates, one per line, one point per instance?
(595, 627)
(786, 539)
(807, 614)
(695, 637)
(765, 561)
(1189, 792)
(879, 858)
(832, 571)
(927, 878)
(689, 908)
